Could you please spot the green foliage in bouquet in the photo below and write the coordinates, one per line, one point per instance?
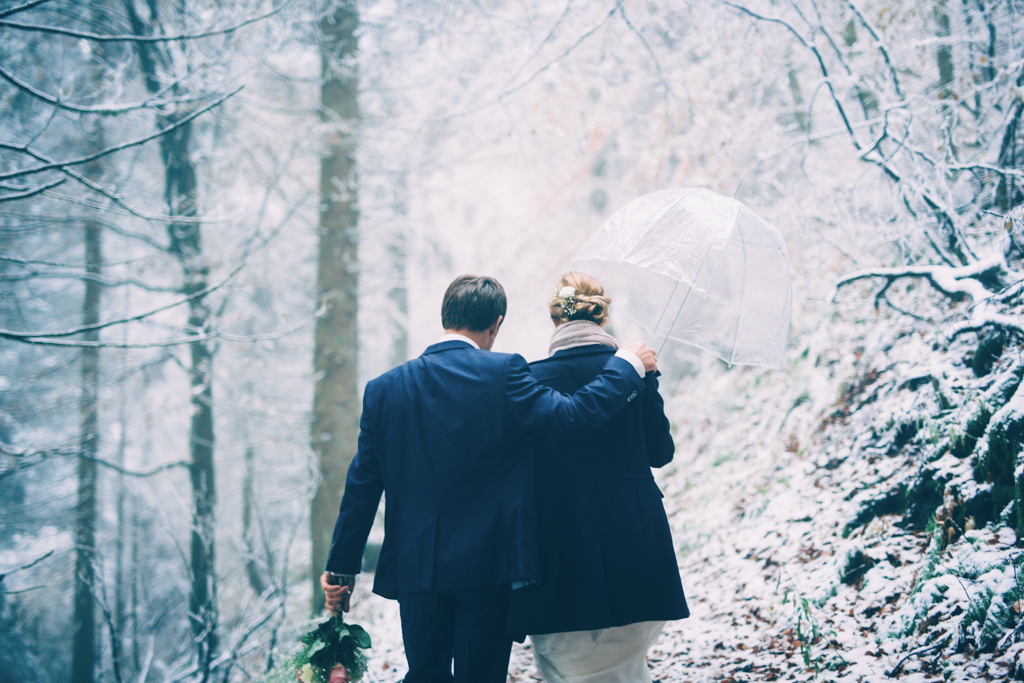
(331, 643)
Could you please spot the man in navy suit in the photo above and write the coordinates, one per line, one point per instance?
(449, 437)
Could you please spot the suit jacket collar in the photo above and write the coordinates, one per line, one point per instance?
(449, 345)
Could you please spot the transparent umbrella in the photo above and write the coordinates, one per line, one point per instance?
(697, 267)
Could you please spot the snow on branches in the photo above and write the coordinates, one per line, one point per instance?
(956, 282)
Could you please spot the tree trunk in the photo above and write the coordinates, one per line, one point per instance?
(83, 656)
(1008, 194)
(186, 246)
(180, 193)
(124, 521)
(944, 55)
(335, 422)
(120, 589)
(252, 568)
(398, 292)
(798, 101)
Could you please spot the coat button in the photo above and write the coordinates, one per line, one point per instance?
(631, 397)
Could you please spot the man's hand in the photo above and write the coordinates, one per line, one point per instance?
(338, 597)
(645, 353)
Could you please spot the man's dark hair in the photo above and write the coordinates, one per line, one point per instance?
(472, 303)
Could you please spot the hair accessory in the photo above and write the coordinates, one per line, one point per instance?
(567, 297)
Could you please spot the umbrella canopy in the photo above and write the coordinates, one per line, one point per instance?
(697, 267)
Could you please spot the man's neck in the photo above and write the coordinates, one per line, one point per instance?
(481, 339)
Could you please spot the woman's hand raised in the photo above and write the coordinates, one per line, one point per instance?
(645, 353)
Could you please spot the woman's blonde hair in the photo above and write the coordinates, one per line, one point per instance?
(588, 302)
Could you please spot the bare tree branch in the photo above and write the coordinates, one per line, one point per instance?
(136, 473)
(22, 456)
(564, 54)
(821, 64)
(944, 215)
(547, 38)
(21, 8)
(180, 341)
(510, 89)
(1005, 172)
(109, 150)
(881, 47)
(95, 37)
(647, 46)
(1008, 323)
(95, 109)
(117, 199)
(31, 192)
(35, 337)
(951, 281)
(26, 566)
(90, 277)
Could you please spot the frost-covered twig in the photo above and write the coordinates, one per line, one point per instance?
(647, 46)
(999, 170)
(987, 318)
(1012, 635)
(31, 191)
(114, 197)
(181, 37)
(888, 302)
(880, 45)
(135, 473)
(892, 673)
(25, 566)
(21, 8)
(36, 336)
(90, 277)
(915, 191)
(20, 456)
(72, 450)
(950, 280)
(230, 654)
(821, 64)
(1011, 291)
(115, 148)
(112, 108)
(565, 53)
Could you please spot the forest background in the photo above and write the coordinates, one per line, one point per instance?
(219, 220)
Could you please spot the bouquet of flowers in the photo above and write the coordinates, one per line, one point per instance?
(330, 653)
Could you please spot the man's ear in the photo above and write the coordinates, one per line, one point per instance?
(492, 331)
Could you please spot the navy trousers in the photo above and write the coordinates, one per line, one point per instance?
(467, 626)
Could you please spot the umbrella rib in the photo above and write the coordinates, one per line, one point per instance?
(676, 317)
(743, 290)
(783, 320)
(680, 309)
(667, 302)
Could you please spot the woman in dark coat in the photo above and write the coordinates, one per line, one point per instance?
(608, 565)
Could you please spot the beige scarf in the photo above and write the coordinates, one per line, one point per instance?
(579, 333)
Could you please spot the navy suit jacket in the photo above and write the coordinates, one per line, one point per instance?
(449, 437)
(607, 557)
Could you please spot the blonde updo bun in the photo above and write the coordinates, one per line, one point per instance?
(590, 300)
